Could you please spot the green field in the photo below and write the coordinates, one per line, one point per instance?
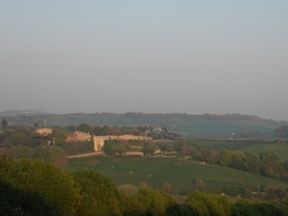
(279, 149)
(219, 144)
(252, 146)
(180, 173)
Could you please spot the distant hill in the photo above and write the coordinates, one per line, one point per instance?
(22, 112)
(185, 124)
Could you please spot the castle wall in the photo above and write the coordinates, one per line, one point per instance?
(100, 140)
(78, 136)
(44, 131)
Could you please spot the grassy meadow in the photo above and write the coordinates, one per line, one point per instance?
(279, 149)
(252, 146)
(180, 173)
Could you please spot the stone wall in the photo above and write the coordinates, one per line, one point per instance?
(44, 131)
(78, 136)
(100, 140)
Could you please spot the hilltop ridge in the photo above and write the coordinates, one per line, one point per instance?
(32, 112)
(185, 124)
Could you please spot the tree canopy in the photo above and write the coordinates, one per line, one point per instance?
(56, 188)
(99, 196)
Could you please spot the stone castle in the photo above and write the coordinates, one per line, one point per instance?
(78, 136)
(44, 131)
(100, 140)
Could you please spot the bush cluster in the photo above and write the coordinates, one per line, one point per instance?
(41, 188)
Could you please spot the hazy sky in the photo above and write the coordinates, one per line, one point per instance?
(147, 56)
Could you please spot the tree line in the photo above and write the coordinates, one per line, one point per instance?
(266, 163)
(40, 188)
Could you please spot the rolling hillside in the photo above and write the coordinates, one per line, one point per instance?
(185, 124)
(180, 173)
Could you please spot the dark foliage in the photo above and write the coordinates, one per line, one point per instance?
(14, 202)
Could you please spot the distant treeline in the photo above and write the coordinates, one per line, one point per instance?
(182, 123)
(155, 133)
(266, 164)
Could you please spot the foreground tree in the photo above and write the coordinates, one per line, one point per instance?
(177, 209)
(54, 187)
(209, 204)
(51, 154)
(98, 195)
(252, 209)
(16, 202)
(148, 202)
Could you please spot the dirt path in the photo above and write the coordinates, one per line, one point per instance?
(85, 155)
(136, 153)
(91, 154)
